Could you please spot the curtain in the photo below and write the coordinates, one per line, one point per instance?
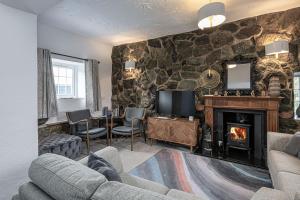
(93, 93)
(47, 105)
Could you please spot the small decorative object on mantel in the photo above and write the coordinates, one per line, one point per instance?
(252, 93)
(216, 93)
(274, 86)
(225, 93)
(238, 93)
(263, 93)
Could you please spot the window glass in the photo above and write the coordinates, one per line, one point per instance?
(69, 78)
(296, 92)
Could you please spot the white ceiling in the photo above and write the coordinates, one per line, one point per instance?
(123, 21)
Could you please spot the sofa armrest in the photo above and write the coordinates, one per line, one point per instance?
(277, 141)
(268, 194)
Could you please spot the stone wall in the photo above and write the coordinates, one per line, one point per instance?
(176, 61)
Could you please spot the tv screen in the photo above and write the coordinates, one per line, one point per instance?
(184, 103)
(175, 103)
(164, 103)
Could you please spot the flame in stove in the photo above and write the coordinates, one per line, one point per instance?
(238, 133)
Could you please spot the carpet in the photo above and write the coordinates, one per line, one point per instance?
(210, 179)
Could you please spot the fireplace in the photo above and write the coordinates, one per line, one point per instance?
(238, 136)
(262, 114)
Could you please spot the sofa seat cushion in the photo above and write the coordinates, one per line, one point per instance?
(289, 183)
(269, 194)
(111, 155)
(112, 190)
(143, 183)
(283, 162)
(64, 179)
(180, 195)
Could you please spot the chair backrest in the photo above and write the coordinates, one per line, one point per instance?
(133, 112)
(78, 115)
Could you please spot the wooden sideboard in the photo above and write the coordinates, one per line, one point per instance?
(266, 103)
(178, 130)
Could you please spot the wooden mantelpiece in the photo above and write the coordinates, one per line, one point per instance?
(268, 104)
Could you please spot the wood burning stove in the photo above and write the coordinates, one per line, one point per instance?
(239, 137)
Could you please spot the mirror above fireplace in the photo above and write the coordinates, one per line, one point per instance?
(239, 75)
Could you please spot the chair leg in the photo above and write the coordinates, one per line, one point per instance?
(132, 141)
(88, 145)
(145, 137)
(107, 138)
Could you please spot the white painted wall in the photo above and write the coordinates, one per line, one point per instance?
(67, 43)
(18, 102)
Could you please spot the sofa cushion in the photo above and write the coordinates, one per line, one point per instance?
(297, 196)
(143, 183)
(29, 191)
(269, 194)
(111, 155)
(64, 179)
(283, 162)
(119, 191)
(293, 146)
(102, 166)
(180, 195)
(289, 183)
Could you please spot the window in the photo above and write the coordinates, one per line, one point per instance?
(69, 78)
(296, 92)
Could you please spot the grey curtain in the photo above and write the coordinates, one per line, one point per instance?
(47, 105)
(93, 93)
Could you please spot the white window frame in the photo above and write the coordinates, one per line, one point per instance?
(296, 75)
(75, 80)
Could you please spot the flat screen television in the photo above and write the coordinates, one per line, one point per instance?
(175, 103)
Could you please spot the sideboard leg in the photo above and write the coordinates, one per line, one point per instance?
(191, 149)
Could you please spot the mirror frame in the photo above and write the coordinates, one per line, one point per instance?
(239, 60)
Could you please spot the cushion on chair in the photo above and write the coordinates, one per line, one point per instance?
(63, 178)
(125, 129)
(94, 131)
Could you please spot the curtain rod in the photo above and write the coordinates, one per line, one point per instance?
(59, 54)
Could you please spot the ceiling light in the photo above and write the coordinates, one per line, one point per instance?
(277, 47)
(210, 15)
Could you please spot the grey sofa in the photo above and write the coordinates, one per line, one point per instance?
(56, 177)
(284, 170)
